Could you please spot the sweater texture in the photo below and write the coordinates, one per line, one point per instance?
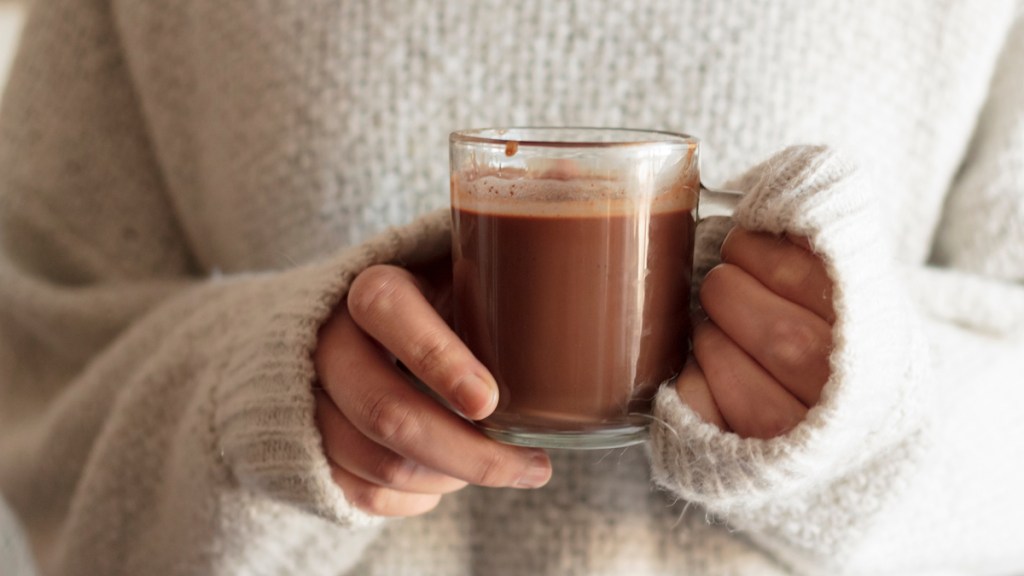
(188, 188)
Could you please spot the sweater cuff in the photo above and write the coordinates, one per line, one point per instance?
(865, 407)
(264, 404)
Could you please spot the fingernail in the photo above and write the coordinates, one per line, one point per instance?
(474, 396)
(537, 474)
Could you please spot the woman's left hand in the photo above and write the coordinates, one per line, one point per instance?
(761, 357)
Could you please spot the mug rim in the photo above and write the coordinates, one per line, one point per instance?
(496, 136)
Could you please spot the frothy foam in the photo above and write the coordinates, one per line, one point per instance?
(567, 197)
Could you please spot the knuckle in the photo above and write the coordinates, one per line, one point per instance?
(392, 470)
(374, 292)
(432, 352)
(792, 343)
(492, 470)
(791, 275)
(390, 420)
(371, 499)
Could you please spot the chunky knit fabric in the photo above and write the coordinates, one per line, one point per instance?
(187, 188)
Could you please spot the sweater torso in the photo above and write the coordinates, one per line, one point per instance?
(332, 123)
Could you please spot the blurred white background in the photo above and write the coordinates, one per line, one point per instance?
(12, 15)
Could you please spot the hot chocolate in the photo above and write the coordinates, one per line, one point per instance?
(573, 295)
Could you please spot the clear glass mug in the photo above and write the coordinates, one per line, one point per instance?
(572, 255)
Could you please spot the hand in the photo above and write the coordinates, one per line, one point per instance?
(761, 358)
(394, 450)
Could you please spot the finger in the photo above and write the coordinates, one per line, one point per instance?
(789, 341)
(752, 403)
(347, 448)
(692, 387)
(387, 303)
(787, 267)
(380, 500)
(382, 404)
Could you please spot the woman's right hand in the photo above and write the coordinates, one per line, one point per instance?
(394, 450)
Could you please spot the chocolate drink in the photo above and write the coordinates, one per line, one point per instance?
(578, 308)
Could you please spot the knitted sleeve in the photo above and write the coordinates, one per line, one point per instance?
(154, 419)
(911, 459)
(187, 443)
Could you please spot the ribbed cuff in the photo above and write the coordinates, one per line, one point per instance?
(866, 407)
(264, 415)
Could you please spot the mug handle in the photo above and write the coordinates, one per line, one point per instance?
(717, 202)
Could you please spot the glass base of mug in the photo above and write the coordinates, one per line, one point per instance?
(569, 440)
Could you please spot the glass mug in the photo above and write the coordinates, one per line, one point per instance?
(572, 254)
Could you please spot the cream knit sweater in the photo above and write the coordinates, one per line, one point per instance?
(187, 188)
